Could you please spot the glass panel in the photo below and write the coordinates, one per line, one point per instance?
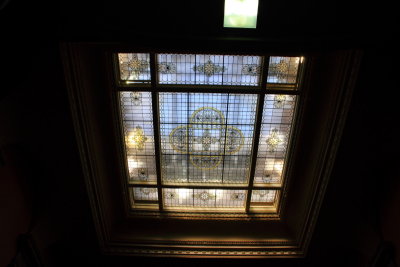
(144, 193)
(236, 169)
(134, 67)
(274, 136)
(263, 197)
(137, 119)
(283, 69)
(211, 142)
(209, 69)
(269, 171)
(204, 198)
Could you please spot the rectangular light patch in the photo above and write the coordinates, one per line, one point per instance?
(241, 14)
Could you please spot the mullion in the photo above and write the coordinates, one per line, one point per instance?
(156, 116)
(209, 89)
(226, 130)
(197, 186)
(257, 131)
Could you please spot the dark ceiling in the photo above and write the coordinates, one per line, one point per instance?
(42, 189)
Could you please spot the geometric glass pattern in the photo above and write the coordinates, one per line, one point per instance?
(263, 197)
(137, 119)
(134, 67)
(209, 69)
(275, 132)
(283, 69)
(211, 198)
(206, 138)
(202, 156)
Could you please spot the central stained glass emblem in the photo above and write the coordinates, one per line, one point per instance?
(206, 138)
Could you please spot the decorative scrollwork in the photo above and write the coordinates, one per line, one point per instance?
(281, 69)
(279, 101)
(206, 140)
(133, 67)
(170, 195)
(137, 138)
(273, 140)
(167, 68)
(136, 98)
(208, 134)
(209, 68)
(204, 196)
(178, 139)
(251, 69)
(237, 196)
(147, 191)
(142, 174)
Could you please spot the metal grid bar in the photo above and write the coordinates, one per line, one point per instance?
(205, 186)
(257, 130)
(260, 110)
(212, 89)
(157, 146)
(156, 115)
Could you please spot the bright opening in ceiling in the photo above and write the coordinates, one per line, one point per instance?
(241, 14)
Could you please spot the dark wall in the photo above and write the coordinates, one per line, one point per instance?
(42, 182)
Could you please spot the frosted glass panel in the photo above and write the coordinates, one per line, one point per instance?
(204, 198)
(209, 69)
(274, 138)
(137, 119)
(266, 197)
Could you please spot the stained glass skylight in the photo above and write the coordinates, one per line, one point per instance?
(195, 151)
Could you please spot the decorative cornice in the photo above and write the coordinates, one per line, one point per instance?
(206, 253)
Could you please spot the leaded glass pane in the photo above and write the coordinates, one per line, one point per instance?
(134, 67)
(141, 194)
(263, 197)
(274, 137)
(209, 69)
(204, 198)
(283, 69)
(213, 143)
(137, 119)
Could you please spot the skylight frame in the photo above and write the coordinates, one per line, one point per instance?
(155, 86)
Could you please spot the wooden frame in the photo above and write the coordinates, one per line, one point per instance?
(328, 85)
